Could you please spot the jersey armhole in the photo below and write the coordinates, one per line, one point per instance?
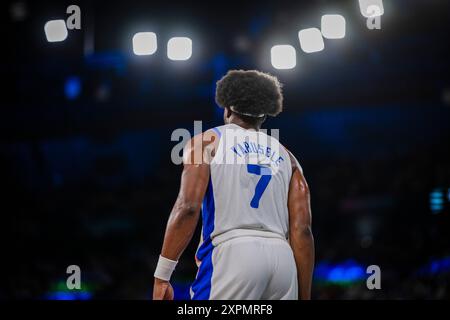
(218, 132)
(295, 165)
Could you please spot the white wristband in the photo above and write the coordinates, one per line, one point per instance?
(165, 268)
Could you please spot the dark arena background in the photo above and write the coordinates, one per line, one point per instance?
(86, 126)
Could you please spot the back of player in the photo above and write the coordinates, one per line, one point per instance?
(244, 252)
(256, 241)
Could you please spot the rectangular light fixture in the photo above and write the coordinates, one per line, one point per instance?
(311, 40)
(144, 43)
(283, 57)
(179, 48)
(333, 26)
(55, 30)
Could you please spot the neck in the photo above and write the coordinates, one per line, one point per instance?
(241, 123)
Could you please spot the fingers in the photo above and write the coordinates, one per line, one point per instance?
(162, 290)
(159, 291)
(169, 293)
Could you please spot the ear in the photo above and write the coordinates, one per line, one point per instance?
(227, 113)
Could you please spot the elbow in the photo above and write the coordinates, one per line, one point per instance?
(190, 209)
(302, 238)
(306, 232)
(301, 231)
(185, 210)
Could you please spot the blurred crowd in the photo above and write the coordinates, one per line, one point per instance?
(374, 212)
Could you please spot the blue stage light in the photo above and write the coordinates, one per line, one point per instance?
(66, 295)
(344, 273)
(72, 88)
(436, 201)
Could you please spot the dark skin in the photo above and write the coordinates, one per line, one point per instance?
(186, 211)
(300, 234)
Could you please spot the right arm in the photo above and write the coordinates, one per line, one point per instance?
(300, 234)
(186, 211)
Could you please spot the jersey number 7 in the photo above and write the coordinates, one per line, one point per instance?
(266, 176)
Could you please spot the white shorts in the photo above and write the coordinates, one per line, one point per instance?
(247, 268)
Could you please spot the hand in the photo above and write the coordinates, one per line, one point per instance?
(162, 290)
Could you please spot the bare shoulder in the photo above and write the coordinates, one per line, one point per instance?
(201, 148)
(210, 137)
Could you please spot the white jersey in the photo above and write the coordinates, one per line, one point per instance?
(249, 184)
(247, 195)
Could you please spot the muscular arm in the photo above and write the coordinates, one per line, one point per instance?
(300, 234)
(186, 211)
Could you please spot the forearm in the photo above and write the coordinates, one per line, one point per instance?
(303, 247)
(180, 229)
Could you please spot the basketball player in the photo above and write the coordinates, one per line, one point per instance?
(256, 237)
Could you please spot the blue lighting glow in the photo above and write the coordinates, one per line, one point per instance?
(107, 60)
(436, 208)
(436, 194)
(72, 88)
(437, 200)
(435, 267)
(347, 272)
(69, 295)
(59, 291)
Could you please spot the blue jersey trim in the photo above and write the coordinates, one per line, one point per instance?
(202, 284)
(216, 130)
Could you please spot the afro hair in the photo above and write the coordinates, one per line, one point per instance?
(250, 93)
